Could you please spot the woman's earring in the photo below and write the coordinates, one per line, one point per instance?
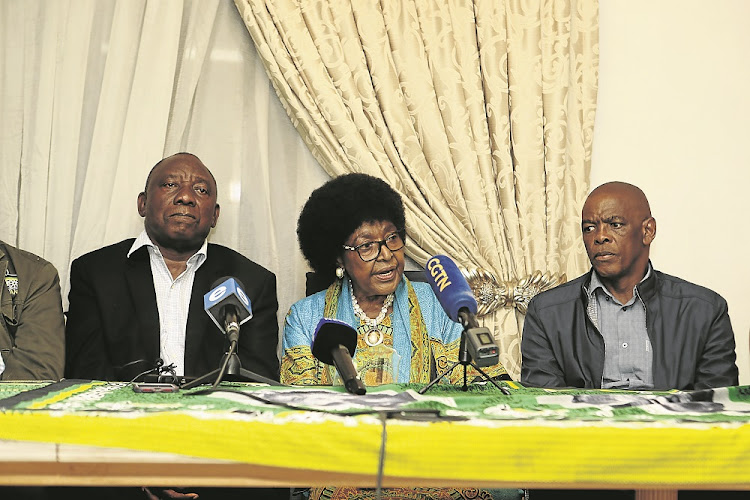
(340, 272)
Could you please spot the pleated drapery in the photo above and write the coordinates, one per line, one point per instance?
(480, 113)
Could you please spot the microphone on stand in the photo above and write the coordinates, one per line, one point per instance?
(334, 343)
(228, 307)
(457, 299)
(477, 347)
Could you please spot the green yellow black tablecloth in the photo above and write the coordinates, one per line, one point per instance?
(531, 435)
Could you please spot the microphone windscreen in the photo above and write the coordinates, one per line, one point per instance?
(330, 333)
(450, 286)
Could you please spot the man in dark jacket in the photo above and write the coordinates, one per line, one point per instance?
(140, 300)
(623, 324)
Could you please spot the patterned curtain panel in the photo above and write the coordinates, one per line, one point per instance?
(480, 113)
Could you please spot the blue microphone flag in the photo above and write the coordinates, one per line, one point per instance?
(228, 292)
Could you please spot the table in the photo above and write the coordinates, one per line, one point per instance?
(90, 433)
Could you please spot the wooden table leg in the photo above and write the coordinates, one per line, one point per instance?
(656, 495)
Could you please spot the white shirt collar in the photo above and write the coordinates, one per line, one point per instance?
(144, 241)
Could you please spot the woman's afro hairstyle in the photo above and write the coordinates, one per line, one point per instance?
(336, 209)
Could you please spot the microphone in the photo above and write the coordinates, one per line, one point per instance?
(228, 306)
(458, 301)
(452, 290)
(334, 343)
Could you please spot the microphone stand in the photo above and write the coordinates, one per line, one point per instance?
(464, 359)
(230, 364)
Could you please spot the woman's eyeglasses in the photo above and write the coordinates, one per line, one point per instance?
(370, 250)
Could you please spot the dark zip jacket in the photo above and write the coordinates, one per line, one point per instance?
(691, 336)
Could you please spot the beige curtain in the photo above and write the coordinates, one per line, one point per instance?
(480, 113)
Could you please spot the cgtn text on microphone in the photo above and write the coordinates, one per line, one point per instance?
(436, 271)
(451, 289)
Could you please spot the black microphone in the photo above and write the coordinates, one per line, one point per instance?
(228, 306)
(334, 343)
(452, 290)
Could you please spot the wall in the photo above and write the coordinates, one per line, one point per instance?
(673, 117)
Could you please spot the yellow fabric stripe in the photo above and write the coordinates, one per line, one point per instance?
(287, 444)
(62, 395)
(518, 453)
(532, 453)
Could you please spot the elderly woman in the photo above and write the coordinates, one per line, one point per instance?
(351, 230)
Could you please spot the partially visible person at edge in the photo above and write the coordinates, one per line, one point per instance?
(625, 325)
(351, 231)
(32, 342)
(142, 299)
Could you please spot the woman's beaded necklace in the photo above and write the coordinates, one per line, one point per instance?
(373, 336)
